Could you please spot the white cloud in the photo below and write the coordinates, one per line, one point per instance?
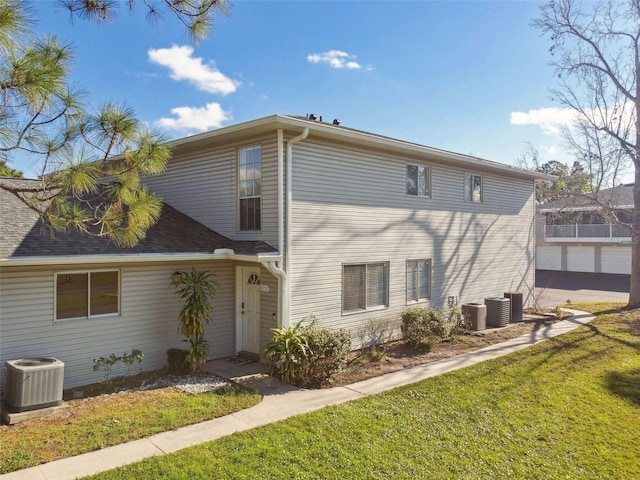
(194, 118)
(336, 59)
(550, 120)
(184, 66)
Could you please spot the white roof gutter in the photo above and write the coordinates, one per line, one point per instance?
(219, 254)
(584, 209)
(365, 138)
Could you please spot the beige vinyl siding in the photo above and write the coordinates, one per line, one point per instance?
(148, 319)
(268, 307)
(350, 206)
(202, 184)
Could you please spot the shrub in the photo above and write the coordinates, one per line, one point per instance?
(375, 336)
(197, 289)
(197, 353)
(286, 353)
(328, 354)
(418, 323)
(177, 360)
(129, 358)
(377, 332)
(106, 364)
(307, 355)
(448, 323)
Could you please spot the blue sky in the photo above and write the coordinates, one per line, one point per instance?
(471, 77)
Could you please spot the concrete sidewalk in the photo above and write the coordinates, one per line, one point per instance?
(280, 402)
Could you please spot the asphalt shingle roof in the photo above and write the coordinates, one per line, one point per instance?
(614, 197)
(24, 234)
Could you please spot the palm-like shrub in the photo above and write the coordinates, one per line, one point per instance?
(287, 352)
(197, 289)
(307, 355)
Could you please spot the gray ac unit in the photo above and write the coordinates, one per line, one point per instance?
(476, 315)
(498, 311)
(34, 383)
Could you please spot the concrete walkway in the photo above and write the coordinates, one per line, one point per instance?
(280, 402)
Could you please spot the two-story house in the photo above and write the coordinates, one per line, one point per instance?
(294, 216)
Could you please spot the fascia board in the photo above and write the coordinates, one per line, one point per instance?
(326, 131)
(369, 139)
(122, 259)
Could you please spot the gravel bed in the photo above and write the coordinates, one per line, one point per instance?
(189, 383)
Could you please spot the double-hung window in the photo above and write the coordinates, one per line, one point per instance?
(418, 180)
(87, 294)
(418, 280)
(473, 188)
(365, 286)
(250, 188)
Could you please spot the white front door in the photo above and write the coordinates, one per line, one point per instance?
(248, 322)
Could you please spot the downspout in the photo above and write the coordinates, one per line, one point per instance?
(285, 296)
(281, 275)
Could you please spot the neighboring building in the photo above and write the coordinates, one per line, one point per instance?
(294, 217)
(576, 234)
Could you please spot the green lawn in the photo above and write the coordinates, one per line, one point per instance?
(120, 419)
(566, 408)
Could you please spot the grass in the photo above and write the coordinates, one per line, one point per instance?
(566, 408)
(120, 419)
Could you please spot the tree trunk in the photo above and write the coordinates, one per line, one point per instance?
(634, 292)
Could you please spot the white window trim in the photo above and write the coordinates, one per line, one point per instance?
(427, 170)
(420, 299)
(88, 272)
(366, 309)
(238, 197)
(468, 194)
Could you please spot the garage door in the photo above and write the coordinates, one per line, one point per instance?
(580, 259)
(548, 258)
(615, 260)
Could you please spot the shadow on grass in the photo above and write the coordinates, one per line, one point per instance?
(625, 384)
(594, 340)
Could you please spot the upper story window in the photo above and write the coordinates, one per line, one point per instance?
(365, 286)
(418, 180)
(87, 294)
(473, 188)
(250, 188)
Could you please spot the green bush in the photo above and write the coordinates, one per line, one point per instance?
(419, 323)
(307, 355)
(328, 354)
(198, 290)
(416, 324)
(448, 323)
(286, 353)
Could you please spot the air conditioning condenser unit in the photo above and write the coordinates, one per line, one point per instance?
(33, 383)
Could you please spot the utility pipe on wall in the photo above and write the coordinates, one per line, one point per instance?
(285, 296)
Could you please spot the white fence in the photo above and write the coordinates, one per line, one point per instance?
(604, 232)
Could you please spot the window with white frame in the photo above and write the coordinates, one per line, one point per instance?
(86, 294)
(418, 280)
(365, 286)
(418, 180)
(473, 188)
(250, 188)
